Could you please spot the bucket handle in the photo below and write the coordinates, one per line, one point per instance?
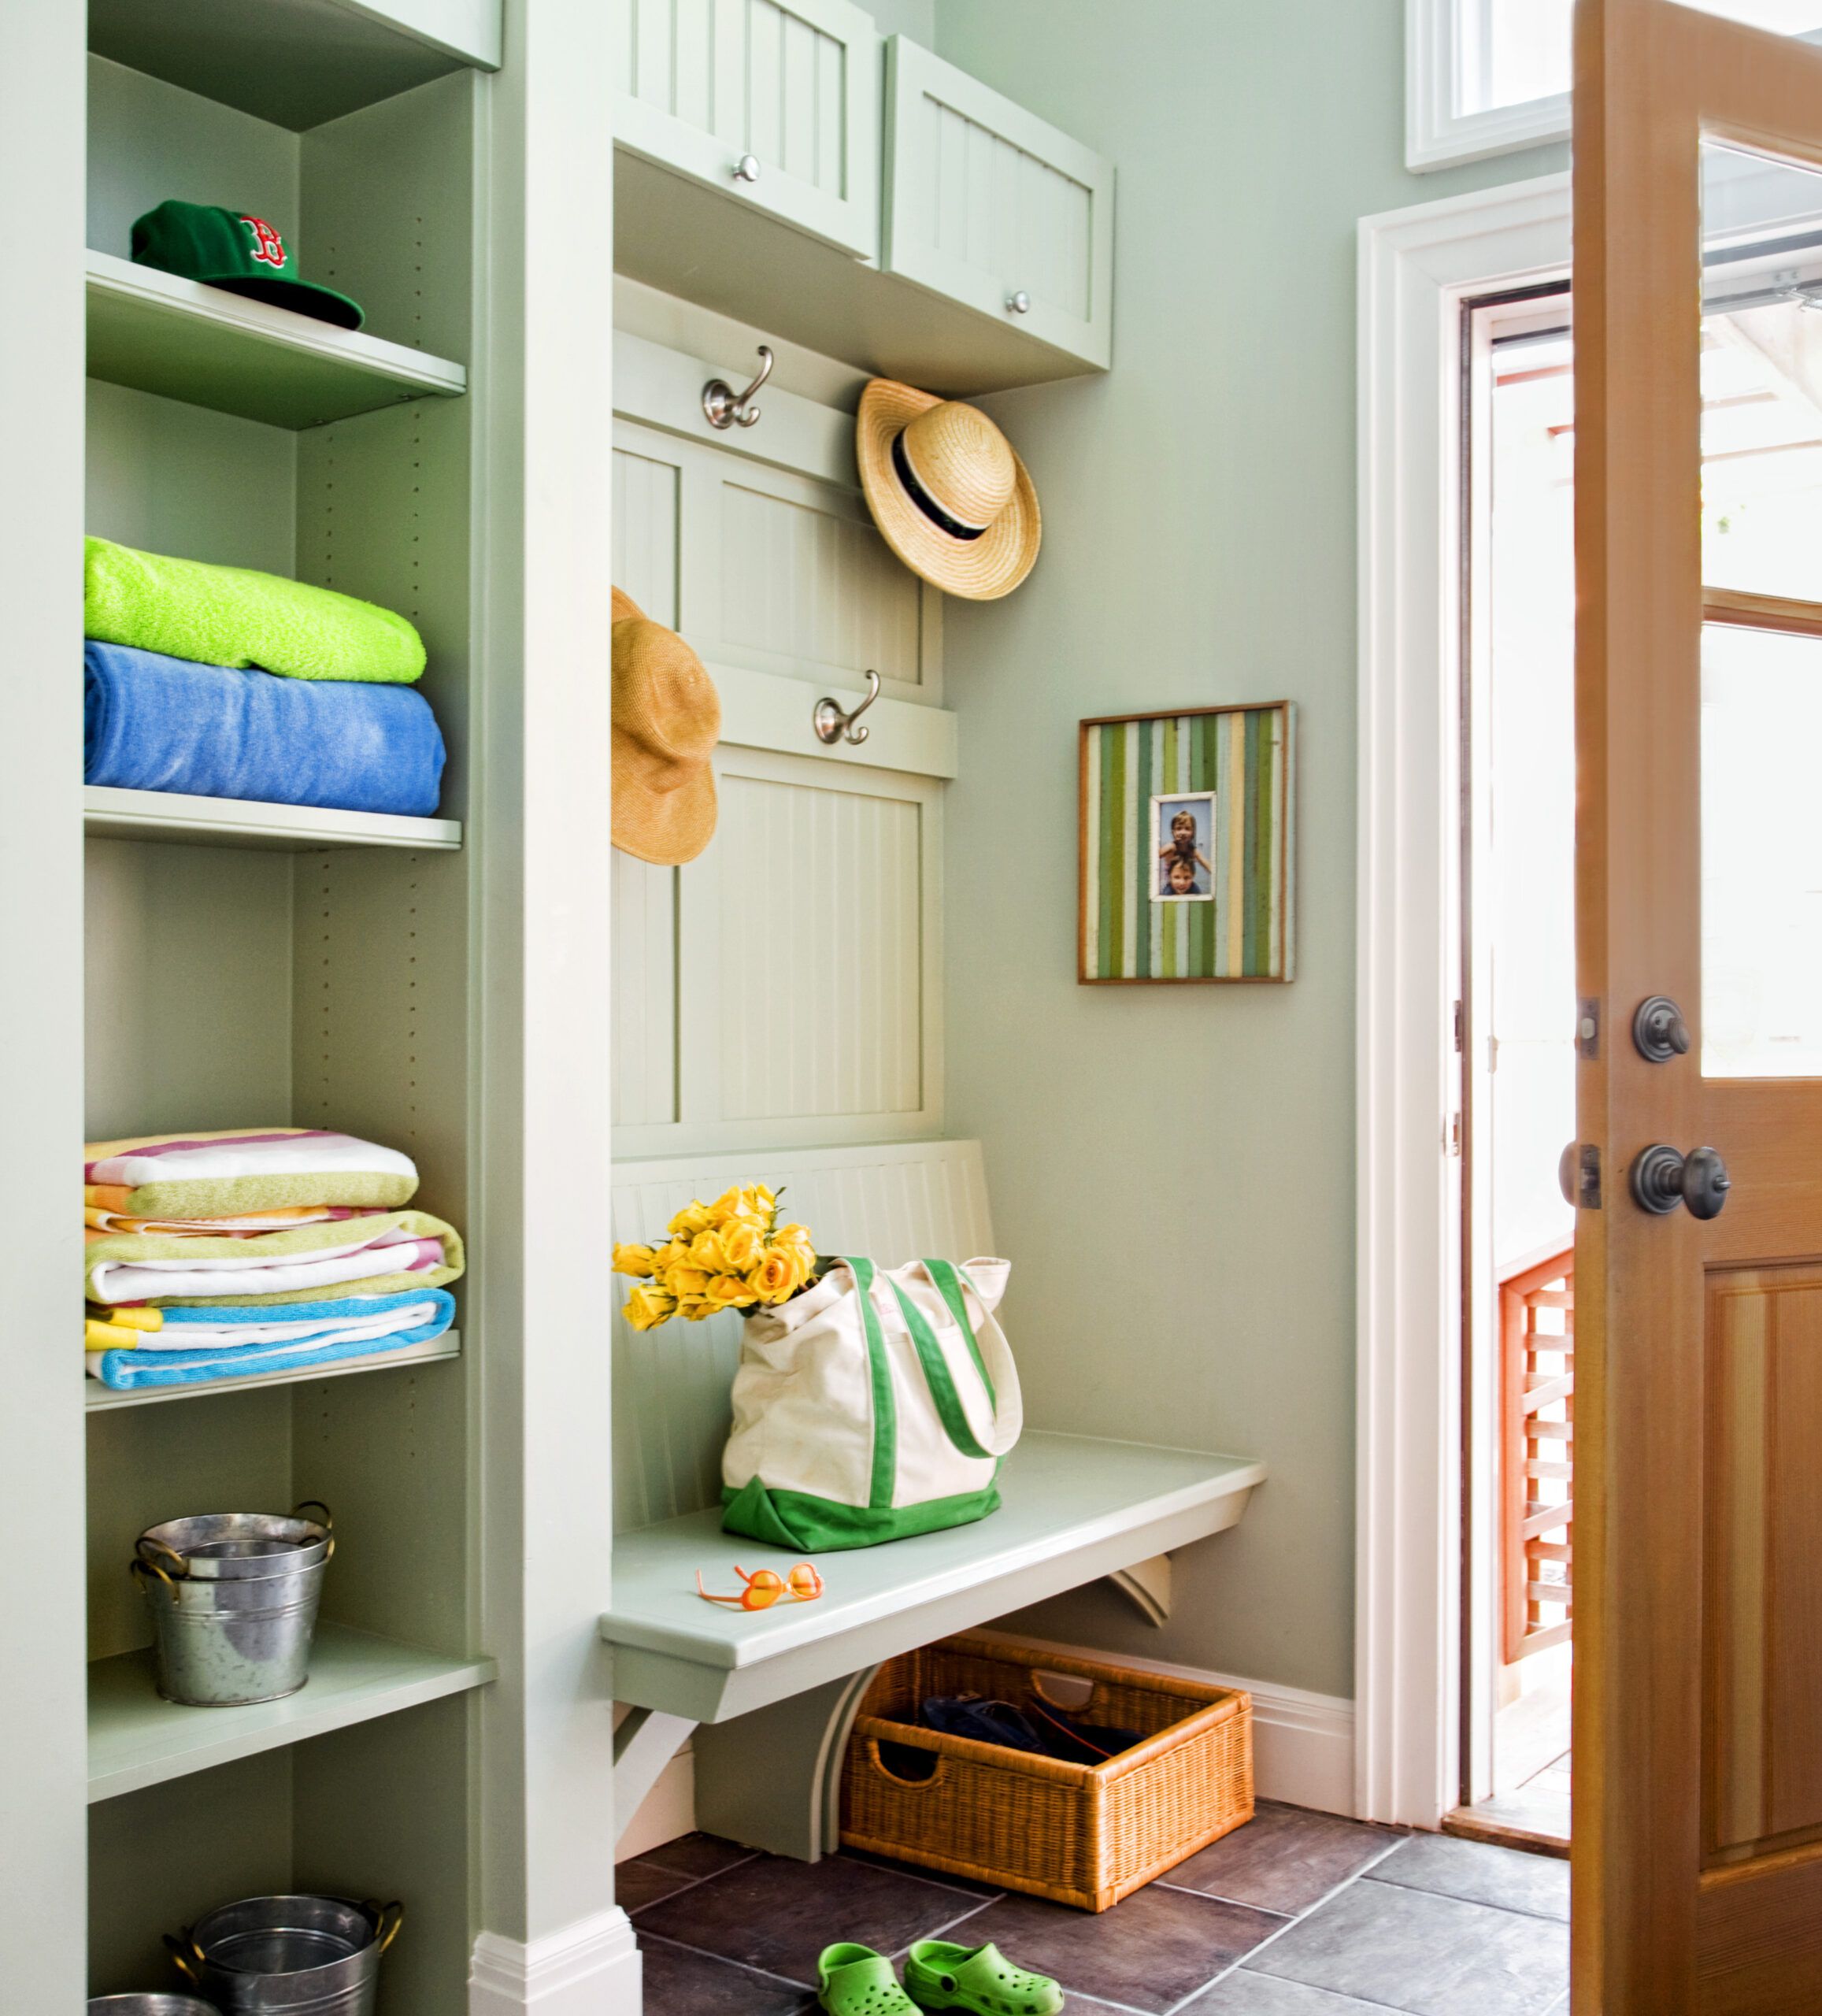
(143, 1563)
(190, 1958)
(327, 1522)
(384, 1934)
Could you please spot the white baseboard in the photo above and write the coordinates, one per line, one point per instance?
(667, 1811)
(1302, 1742)
(591, 1969)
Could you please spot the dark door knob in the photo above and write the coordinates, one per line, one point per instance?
(1662, 1178)
(1659, 1030)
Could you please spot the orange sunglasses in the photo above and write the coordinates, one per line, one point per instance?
(765, 1587)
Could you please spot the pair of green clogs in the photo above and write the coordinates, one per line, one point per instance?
(854, 1981)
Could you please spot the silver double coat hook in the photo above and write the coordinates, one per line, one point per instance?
(833, 723)
(725, 409)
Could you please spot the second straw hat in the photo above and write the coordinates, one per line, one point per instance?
(667, 719)
(953, 501)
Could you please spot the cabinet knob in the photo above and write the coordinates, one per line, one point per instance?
(1018, 303)
(746, 169)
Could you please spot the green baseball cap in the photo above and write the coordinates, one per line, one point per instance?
(227, 249)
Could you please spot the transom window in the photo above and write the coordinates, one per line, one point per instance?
(1486, 77)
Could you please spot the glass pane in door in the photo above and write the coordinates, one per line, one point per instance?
(1761, 870)
(1761, 375)
(1761, 714)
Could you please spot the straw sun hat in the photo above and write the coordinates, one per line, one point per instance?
(944, 487)
(667, 718)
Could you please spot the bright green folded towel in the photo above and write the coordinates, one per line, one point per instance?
(234, 616)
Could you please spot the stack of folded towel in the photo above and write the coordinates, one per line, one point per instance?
(230, 683)
(223, 1255)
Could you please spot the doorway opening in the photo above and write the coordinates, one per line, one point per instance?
(1519, 1020)
(1516, 1031)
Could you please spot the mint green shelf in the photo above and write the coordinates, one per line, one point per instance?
(136, 1739)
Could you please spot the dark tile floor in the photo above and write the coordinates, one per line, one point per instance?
(1296, 1914)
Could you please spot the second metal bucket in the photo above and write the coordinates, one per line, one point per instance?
(234, 1598)
(290, 1956)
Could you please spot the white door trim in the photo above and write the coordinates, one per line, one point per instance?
(1416, 268)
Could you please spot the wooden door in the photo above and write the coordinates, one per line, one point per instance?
(1697, 1845)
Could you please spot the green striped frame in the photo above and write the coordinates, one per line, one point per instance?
(1246, 757)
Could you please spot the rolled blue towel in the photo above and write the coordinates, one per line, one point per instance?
(316, 1333)
(152, 723)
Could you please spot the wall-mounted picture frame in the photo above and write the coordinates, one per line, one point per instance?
(1188, 823)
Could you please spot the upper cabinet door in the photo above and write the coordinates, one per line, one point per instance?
(775, 101)
(988, 205)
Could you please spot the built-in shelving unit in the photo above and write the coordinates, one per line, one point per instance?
(238, 822)
(252, 963)
(158, 332)
(135, 1739)
(433, 1350)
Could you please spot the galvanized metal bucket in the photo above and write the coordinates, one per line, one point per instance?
(149, 2005)
(290, 1956)
(234, 1598)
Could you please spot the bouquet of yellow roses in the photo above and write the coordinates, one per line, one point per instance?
(731, 1254)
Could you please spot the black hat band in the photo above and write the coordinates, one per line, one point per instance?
(922, 500)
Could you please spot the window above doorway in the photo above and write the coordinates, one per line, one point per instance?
(1486, 77)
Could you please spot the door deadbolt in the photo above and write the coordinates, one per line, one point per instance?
(1659, 1030)
(1662, 1178)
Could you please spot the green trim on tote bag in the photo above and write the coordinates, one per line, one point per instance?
(795, 1520)
(949, 1410)
(949, 1279)
(885, 1476)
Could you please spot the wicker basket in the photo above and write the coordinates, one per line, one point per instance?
(1079, 1834)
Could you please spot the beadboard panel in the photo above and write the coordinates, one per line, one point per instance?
(895, 1203)
(809, 587)
(986, 203)
(645, 993)
(790, 990)
(981, 200)
(647, 494)
(769, 569)
(836, 1028)
(793, 93)
(793, 82)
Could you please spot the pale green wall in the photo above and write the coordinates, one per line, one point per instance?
(1172, 1169)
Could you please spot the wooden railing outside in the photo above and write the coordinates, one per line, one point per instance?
(1537, 1322)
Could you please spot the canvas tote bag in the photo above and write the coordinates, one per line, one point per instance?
(875, 1405)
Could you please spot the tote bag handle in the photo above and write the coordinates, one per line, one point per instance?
(1000, 1382)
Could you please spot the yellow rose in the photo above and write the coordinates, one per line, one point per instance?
(730, 1292)
(741, 1246)
(779, 1274)
(687, 1283)
(796, 1239)
(706, 1252)
(760, 1202)
(647, 1307)
(694, 1311)
(730, 1204)
(692, 1219)
(633, 1260)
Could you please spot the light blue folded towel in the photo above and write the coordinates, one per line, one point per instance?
(321, 1335)
(160, 724)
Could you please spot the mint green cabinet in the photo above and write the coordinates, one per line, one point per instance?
(987, 204)
(776, 102)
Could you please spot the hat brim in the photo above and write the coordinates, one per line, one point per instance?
(665, 828)
(301, 297)
(978, 569)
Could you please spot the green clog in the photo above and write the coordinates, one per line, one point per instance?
(854, 1981)
(940, 1976)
